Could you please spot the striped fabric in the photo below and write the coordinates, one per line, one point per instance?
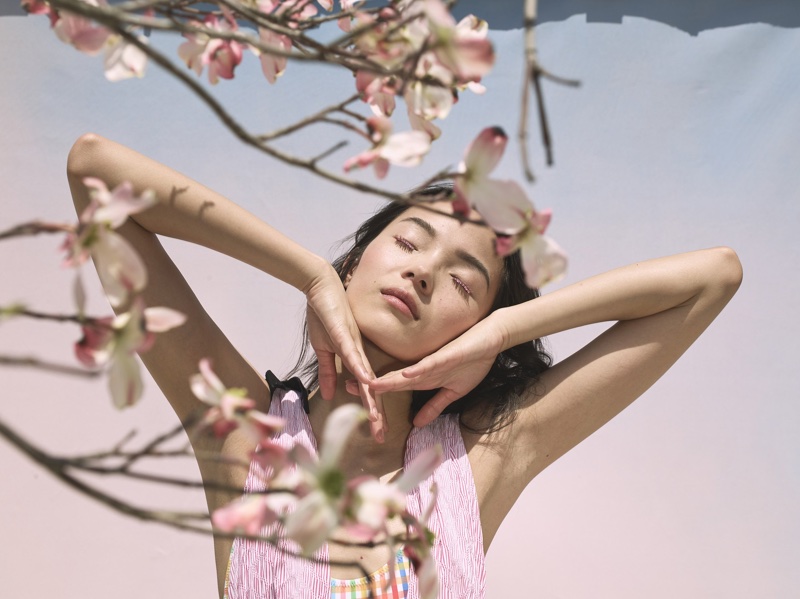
(261, 571)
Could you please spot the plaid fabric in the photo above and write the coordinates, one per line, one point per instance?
(376, 585)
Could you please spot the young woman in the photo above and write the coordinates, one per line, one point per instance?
(421, 302)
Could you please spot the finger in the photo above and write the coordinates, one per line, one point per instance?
(368, 401)
(380, 426)
(377, 428)
(354, 359)
(326, 373)
(434, 407)
(351, 386)
(392, 381)
(444, 359)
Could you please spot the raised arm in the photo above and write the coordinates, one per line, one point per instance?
(661, 307)
(189, 211)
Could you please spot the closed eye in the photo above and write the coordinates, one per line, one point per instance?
(404, 244)
(462, 287)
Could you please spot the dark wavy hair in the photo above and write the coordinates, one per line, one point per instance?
(497, 397)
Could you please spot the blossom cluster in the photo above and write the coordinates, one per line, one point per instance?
(412, 49)
(112, 342)
(408, 48)
(506, 209)
(307, 494)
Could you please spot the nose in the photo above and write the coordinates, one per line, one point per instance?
(421, 279)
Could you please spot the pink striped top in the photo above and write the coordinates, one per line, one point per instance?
(260, 571)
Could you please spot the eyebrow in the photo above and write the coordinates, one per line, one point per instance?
(466, 257)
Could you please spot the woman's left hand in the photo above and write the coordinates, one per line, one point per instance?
(455, 369)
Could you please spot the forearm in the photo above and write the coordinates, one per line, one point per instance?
(189, 211)
(706, 278)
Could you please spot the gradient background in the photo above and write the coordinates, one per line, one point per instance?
(684, 135)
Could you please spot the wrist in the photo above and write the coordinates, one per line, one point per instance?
(500, 323)
(316, 271)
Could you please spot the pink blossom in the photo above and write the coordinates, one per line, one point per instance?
(95, 347)
(293, 11)
(112, 208)
(462, 48)
(230, 408)
(427, 578)
(270, 456)
(248, 515)
(377, 92)
(507, 210)
(473, 188)
(372, 502)
(80, 32)
(272, 65)
(124, 60)
(120, 268)
(318, 511)
(543, 260)
(221, 56)
(402, 149)
(36, 7)
(312, 521)
(420, 124)
(115, 341)
(418, 551)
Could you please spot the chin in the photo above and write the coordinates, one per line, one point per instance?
(385, 351)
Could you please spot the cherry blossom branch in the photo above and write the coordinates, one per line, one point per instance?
(320, 116)
(240, 132)
(356, 59)
(60, 469)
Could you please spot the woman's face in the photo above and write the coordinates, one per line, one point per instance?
(423, 281)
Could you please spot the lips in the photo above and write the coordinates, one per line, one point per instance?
(405, 299)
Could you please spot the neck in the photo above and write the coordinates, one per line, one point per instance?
(364, 453)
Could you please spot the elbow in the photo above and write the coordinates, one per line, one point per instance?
(83, 155)
(727, 270)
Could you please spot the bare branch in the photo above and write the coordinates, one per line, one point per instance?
(32, 362)
(533, 75)
(36, 227)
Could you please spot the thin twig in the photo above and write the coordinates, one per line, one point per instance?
(36, 227)
(32, 362)
(533, 75)
(340, 107)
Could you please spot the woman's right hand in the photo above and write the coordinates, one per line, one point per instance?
(333, 331)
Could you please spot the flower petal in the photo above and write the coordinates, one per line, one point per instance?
(542, 260)
(338, 429)
(160, 319)
(124, 380)
(311, 523)
(119, 267)
(502, 204)
(248, 515)
(406, 149)
(485, 151)
(123, 60)
(421, 468)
